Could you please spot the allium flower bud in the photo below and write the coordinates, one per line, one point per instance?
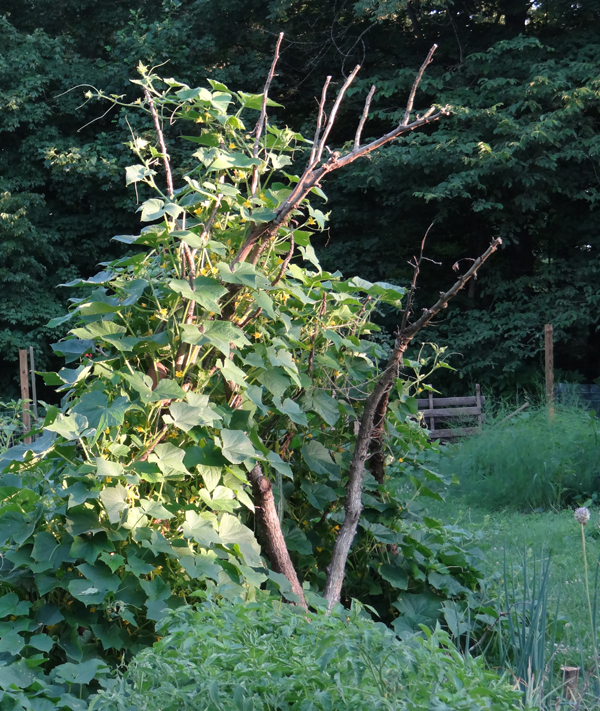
(582, 515)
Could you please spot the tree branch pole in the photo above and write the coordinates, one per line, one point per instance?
(353, 502)
(377, 456)
(272, 538)
(161, 141)
(316, 170)
(262, 119)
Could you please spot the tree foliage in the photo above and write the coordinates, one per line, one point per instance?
(520, 163)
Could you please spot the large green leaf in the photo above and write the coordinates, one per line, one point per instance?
(207, 292)
(220, 334)
(275, 380)
(292, 410)
(114, 499)
(155, 510)
(200, 529)
(319, 495)
(80, 673)
(318, 458)
(323, 404)
(297, 541)
(201, 566)
(231, 372)
(69, 427)
(99, 413)
(279, 465)
(236, 446)
(397, 577)
(244, 274)
(169, 459)
(99, 329)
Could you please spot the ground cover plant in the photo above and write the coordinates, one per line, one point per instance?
(266, 655)
(535, 560)
(221, 390)
(537, 459)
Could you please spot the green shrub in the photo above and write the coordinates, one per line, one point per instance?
(533, 460)
(271, 656)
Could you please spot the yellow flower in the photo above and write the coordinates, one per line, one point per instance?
(199, 119)
(203, 271)
(108, 479)
(179, 374)
(163, 312)
(284, 297)
(257, 334)
(92, 609)
(232, 146)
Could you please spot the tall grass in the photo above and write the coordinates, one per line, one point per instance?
(538, 459)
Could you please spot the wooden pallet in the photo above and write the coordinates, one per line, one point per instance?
(448, 408)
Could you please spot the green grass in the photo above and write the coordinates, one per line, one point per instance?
(516, 534)
(534, 460)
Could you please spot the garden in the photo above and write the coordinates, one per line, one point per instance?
(227, 497)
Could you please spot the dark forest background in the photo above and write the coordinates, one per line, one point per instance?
(518, 158)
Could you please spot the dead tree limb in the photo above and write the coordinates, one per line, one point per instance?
(363, 118)
(353, 501)
(272, 539)
(318, 168)
(262, 119)
(376, 452)
(161, 141)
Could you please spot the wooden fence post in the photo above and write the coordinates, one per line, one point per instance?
(24, 377)
(549, 358)
(33, 384)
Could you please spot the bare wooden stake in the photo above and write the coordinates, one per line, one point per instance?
(363, 118)
(161, 142)
(549, 353)
(33, 384)
(570, 677)
(24, 377)
(353, 501)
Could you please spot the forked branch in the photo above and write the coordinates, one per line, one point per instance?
(318, 168)
(366, 432)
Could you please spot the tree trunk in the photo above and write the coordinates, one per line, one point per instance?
(353, 501)
(377, 456)
(273, 542)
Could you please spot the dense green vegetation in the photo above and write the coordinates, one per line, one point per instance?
(518, 157)
(216, 394)
(535, 460)
(264, 656)
(516, 545)
(232, 428)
